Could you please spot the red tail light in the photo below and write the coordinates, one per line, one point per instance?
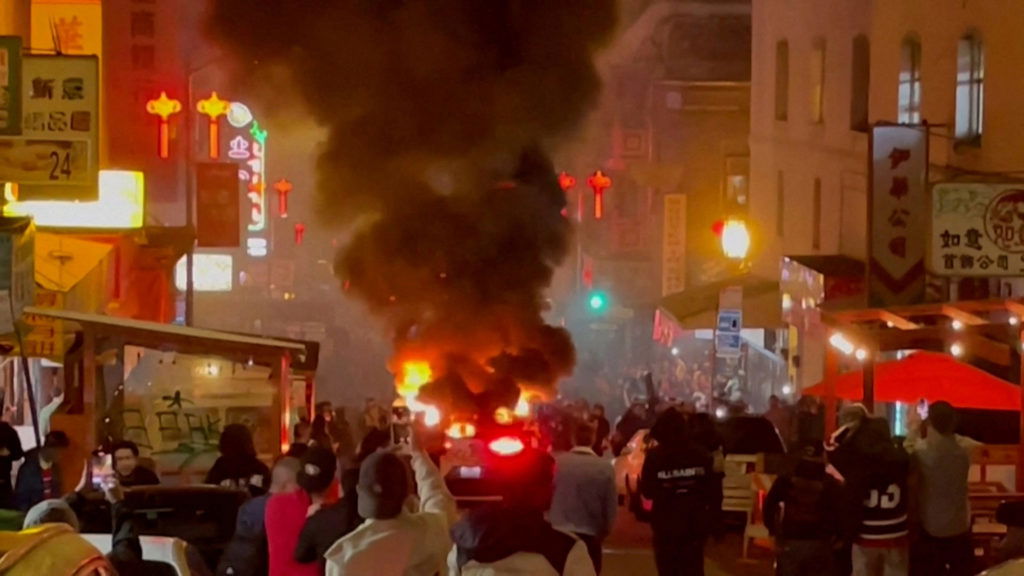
(506, 446)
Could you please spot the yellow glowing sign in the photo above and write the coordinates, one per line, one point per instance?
(120, 205)
(210, 273)
(77, 25)
(735, 239)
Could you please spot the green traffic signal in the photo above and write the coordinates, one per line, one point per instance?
(598, 301)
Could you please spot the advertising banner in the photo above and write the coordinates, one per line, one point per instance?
(897, 215)
(217, 212)
(977, 230)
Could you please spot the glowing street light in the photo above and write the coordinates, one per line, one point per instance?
(163, 107)
(214, 107)
(735, 239)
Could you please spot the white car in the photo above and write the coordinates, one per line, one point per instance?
(171, 554)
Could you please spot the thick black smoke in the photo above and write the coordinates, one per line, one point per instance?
(440, 113)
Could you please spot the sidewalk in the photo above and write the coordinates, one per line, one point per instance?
(628, 553)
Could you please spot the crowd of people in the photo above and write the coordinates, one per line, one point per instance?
(858, 502)
(870, 506)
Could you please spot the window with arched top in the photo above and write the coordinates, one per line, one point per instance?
(970, 88)
(909, 96)
(860, 79)
(782, 80)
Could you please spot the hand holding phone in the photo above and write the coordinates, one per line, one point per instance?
(102, 467)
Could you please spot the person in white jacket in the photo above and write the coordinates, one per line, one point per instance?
(513, 538)
(394, 541)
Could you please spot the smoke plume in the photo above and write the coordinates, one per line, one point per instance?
(441, 114)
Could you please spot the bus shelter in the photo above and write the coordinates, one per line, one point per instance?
(171, 389)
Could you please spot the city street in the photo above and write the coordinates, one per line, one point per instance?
(628, 552)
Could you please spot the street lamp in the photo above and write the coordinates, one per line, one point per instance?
(735, 239)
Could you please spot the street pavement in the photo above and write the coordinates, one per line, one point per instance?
(627, 552)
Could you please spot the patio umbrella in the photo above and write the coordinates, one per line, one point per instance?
(931, 376)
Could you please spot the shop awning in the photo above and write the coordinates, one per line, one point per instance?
(697, 308)
(62, 262)
(180, 339)
(930, 376)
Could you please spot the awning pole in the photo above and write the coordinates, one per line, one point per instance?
(831, 377)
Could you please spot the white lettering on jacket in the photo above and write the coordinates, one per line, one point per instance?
(680, 473)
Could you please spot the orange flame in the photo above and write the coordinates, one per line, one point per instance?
(414, 375)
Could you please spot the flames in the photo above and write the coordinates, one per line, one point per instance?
(413, 376)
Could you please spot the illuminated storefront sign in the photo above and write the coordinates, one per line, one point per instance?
(246, 144)
(210, 273)
(120, 205)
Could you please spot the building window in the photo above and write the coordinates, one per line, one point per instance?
(782, 80)
(780, 205)
(859, 84)
(143, 24)
(816, 216)
(970, 88)
(143, 57)
(818, 82)
(910, 82)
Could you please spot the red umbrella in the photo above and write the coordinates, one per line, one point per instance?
(931, 376)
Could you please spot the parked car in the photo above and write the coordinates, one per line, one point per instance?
(741, 435)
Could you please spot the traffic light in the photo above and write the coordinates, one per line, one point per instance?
(597, 301)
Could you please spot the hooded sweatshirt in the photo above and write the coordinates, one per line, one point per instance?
(502, 541)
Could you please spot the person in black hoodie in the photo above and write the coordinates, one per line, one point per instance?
(328, 524)
(873, 513)
(238, 466)
(679, 478)
(513, 537)
(809, 521)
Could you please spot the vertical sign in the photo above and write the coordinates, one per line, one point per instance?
(10, 85)
(673, 245)
(217, 196)
(898, 213)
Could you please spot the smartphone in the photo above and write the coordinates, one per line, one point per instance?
(401, 426)
(102, 466)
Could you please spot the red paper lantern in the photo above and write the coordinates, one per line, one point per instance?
(300, 231)
(283, 188)
(599, 183)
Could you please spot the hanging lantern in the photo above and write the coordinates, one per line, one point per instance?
(300, 231)
(598, 182)
(567, 183)
(213, 107)
(283, 188)
(163, 107)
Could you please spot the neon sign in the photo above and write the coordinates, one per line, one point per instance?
(213, 107)
(163, 107)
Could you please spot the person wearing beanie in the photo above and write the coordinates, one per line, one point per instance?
(393, 541)
(513, 537)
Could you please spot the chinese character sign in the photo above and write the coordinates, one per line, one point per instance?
(898, 221)
(76, 25)
(56, 157)
(977, 230)
(673, 246)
